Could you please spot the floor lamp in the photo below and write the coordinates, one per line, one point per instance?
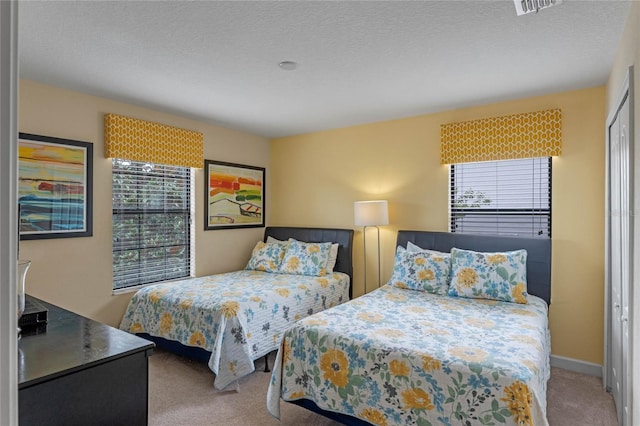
(371, 214)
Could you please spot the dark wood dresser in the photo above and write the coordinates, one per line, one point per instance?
(76, 371)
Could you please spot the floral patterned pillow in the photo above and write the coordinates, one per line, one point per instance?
(306, 258)
(495, 276)
(422, 271)
(333, 254)
(267, 257)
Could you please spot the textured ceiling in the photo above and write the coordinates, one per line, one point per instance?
(359, 62)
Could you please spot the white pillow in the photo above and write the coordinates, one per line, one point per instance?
(412, 248)
(333, 253)
(333, 257)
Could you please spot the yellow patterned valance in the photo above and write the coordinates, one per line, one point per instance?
(528, 135)
(140, 140)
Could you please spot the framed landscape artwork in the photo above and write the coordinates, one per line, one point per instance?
(55, 187)
(234, 195)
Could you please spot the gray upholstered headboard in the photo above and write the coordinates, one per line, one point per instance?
(538, 252)
(344, 237)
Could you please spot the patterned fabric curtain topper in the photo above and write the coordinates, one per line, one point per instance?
(140, 140)
(528, 135)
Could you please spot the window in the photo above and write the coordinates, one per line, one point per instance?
(509, 197)
(151, 223)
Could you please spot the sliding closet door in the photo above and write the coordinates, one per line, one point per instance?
(619, 258)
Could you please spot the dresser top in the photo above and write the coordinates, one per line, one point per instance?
(69, 343)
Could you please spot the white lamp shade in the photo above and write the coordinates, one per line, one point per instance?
(371, 213)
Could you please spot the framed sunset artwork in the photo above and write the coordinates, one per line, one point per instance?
(234, 195)
(55, 187)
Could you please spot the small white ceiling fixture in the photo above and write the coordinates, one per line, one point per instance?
(288, 65)
(528, 6)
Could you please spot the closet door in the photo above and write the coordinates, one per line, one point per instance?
(615, 266)
(620, 259)
(626, 224)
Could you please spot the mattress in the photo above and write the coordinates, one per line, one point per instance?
(397, 356)
(237, 316)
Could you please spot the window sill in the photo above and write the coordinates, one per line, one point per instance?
(133, 289)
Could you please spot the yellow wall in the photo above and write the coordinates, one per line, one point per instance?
(76, 273)
(628, 54)
(396, 160)
(316, 178)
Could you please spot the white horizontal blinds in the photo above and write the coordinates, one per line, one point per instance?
(151, 222)
(509, 197)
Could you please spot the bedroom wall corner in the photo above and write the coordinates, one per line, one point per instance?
(76, 273)
(317, 177)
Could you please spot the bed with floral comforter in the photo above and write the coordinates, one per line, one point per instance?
(237, 316)
(397, 356)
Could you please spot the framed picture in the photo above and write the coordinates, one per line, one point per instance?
(234, 195)
(55, 187)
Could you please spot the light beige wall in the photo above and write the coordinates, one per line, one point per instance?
(628, 54)
(76, 273)
(316, 178)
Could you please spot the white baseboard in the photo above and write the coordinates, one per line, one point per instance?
(576, 365)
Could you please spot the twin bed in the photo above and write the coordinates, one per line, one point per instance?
(230, 320)
(473, 351)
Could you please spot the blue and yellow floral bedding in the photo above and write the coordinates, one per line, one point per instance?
(237, 316)
(398, 356)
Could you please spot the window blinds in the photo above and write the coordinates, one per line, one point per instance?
(510, 197)
(151, 222)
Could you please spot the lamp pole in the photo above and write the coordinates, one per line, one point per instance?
(371, 214)
(364, 237)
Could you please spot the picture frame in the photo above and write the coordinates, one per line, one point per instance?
(55, 187)
(234, 196)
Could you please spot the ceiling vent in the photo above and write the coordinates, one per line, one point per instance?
(528, 6)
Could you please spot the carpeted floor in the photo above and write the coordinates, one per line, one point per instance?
(181, 393)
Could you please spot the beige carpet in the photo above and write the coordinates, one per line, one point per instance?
(181, 393)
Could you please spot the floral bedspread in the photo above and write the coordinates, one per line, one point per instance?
(237, 316)
(399, 356)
